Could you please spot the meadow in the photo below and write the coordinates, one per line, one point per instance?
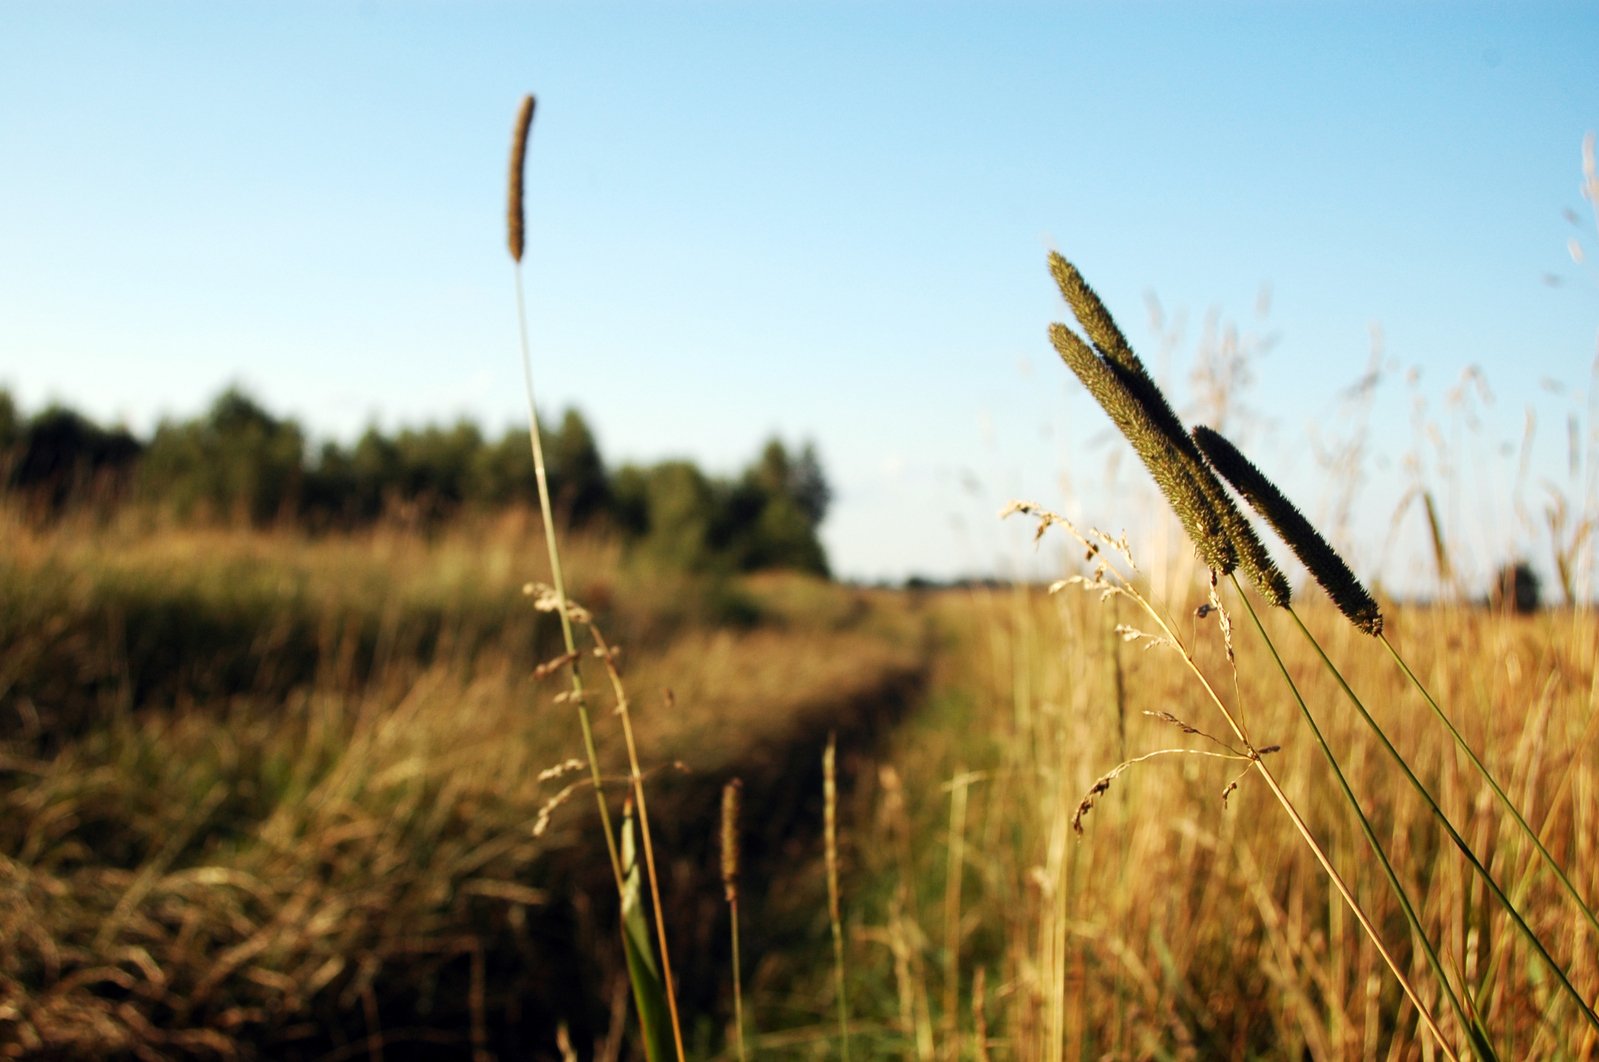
(269, 795)
(400, 783)
(274, 795)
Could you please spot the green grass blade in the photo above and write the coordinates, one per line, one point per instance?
(1479, 1042)
(1504, 800)
(649, 992)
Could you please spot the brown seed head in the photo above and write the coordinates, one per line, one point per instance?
(730, 807)
(513, 214)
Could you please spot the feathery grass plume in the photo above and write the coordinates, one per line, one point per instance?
(1154, 447)
(1324, 563)
(513, 220)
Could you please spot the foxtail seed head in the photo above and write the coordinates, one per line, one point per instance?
(1118, 380)
(1092, 314)
(1174, 475)
(730, 807)
(1324, 563)
(513, 213)
(1107, 338)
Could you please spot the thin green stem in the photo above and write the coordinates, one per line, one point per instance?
(559, 582)
(1301, 827)
(1449, 827)
(1504, 800)
(636, 777)
(1479, 1042)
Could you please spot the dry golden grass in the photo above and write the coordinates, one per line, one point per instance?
(378, 837)
(369, 829)
(1185, 926)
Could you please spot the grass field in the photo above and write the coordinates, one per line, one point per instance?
(272, 796)
(1186, 925)
(265, 794)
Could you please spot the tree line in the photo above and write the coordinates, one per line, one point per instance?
(239, 463)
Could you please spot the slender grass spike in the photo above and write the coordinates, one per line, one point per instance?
(1117, 379)
(514, 221)
(1324, 563)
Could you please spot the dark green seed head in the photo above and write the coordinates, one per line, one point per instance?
(1119, 382)
(1263, 573)
(1112, 346)
(513, 205)
(1323, 562)
(1091, 313)
(1178, 474)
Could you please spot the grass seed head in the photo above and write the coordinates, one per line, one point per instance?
(1323, 562)
(514, 215)
(1174, 475)
(730, 809)
(1267, 578)
(1092, 314)
(1117, 379)
(1112, 346)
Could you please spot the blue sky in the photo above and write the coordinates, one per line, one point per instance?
(829, 222)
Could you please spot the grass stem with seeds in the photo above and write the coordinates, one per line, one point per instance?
(515, 238)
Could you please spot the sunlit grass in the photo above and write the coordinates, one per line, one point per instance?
(387, 842)
(1182, 926)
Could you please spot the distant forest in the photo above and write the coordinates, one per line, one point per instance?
(240, 464)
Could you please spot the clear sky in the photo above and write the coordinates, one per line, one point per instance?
(829, 222)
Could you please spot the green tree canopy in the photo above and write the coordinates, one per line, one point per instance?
(237, 462)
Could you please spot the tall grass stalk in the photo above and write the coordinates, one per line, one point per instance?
(1361, 609)
(834, 908)
(515, 227)
(1121, 585)
(730, 851)
(638, 965)
(1499, 793)
(1471, 1026)
(1116, 379)
(1182, 466)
